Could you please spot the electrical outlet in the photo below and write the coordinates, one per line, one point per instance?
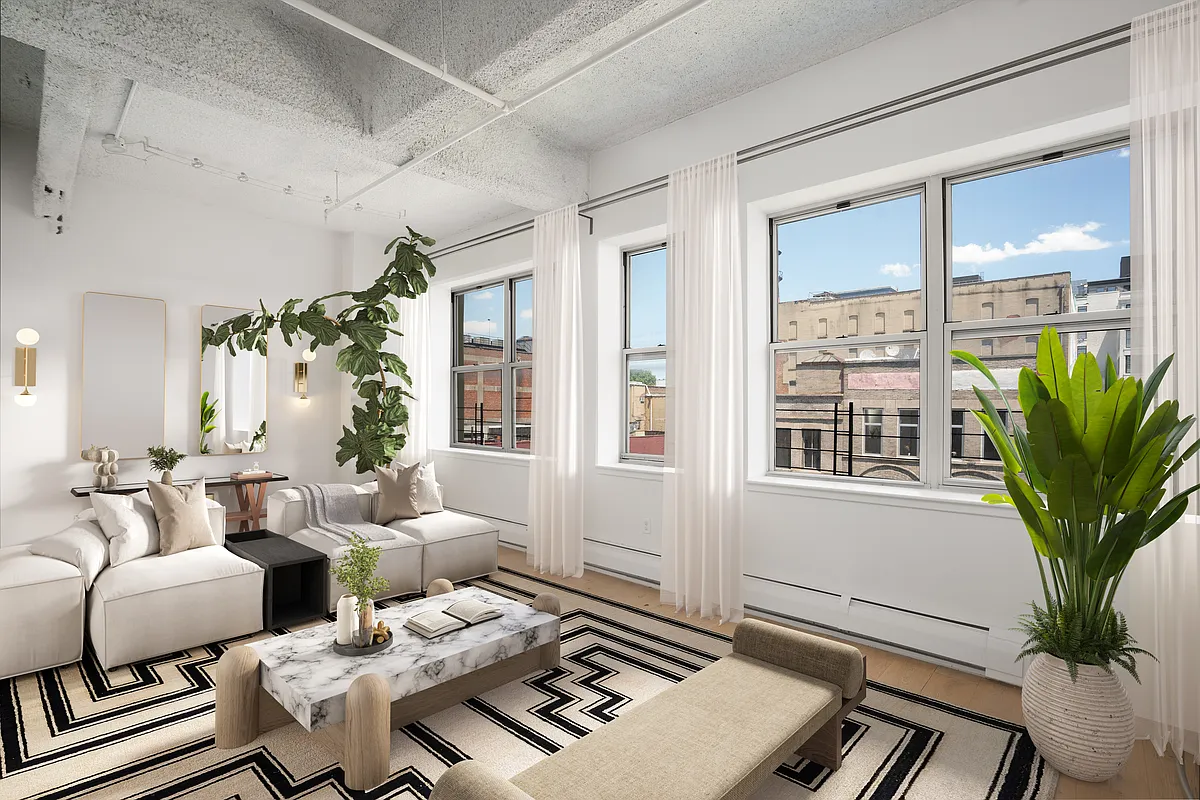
(646, 526)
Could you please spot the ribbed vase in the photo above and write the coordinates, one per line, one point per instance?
(1084, 729)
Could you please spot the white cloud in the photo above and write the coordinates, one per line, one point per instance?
(1123, 152)
(896, 270)
(488, 295)
(1066, 238)
(526, 313)
(479, 327)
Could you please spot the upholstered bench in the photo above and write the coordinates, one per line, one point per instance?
(717, 735)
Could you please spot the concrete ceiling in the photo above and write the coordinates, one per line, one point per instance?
(256, 86)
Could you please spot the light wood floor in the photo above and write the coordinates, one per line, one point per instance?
(1147, 775)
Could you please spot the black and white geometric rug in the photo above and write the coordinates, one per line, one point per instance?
(146, 730)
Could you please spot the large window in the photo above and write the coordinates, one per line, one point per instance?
(847, 403)
(644, 354)
(1037, 241)
(493, 365)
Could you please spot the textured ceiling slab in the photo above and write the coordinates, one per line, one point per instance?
(67, 92)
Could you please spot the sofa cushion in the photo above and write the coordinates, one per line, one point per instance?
(399, 563)
(286, 514)
(158, 572)
(129, 523)
(397, 494)
(82, 545)
(737, 712)
(182, 516)
(442, 526)
(43, 601)
(216, 519)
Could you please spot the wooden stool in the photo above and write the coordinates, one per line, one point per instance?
(237, 698)
(549, 604)
(368, 733)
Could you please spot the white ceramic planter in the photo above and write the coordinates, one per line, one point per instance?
(1084, 729)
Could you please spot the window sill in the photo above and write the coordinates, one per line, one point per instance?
(944, 500)
(483, 455)
(626, 469)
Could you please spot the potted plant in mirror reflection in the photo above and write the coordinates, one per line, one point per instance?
(258, 442)
(164, 459)
(355, 570)
(1089, 475)
(208, 415)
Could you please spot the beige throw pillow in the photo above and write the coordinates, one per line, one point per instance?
(182, 515)
(397, 494)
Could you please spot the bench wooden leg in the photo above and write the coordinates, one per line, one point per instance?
(549, 652)
(825, 746)
(368, 733)
(237, 698)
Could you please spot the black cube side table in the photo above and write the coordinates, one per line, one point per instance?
(296, 583)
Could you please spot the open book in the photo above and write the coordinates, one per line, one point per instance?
(463, 613)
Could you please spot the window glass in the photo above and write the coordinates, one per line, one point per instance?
(646, 298)
(1064, 225)
(478, 403)
(839, 265)
(972, 453)
(480, 325)
(647, 417)
(837, 410)
(910, 432)
(522, 407)
(523, 320)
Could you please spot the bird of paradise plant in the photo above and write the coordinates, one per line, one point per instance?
(1088, 476)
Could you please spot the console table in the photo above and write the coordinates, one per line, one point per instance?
(251, 494)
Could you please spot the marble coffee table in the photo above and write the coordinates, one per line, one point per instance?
(299, 677)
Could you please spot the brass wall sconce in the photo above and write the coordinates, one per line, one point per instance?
(300, 382)
(25, 365)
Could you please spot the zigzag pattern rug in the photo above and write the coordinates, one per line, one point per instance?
(146, 730)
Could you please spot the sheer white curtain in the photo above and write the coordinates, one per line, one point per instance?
(1163, 583)
(556, 471)
(705, 444)
(414, 351)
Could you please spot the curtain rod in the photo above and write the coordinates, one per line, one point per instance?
(983, 79)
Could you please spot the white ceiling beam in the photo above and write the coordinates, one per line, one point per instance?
(68, 91)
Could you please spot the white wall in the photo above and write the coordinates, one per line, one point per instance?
(128, 241)
(939, 554)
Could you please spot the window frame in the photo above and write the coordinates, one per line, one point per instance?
(920, 190)
(505, 367)
(938, 330)
(636, 354)
(1070, 322)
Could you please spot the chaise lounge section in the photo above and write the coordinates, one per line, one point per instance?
(715, 736)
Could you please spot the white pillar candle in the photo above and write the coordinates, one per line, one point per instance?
(347, 618)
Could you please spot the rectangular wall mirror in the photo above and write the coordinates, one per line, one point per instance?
(233, 394)
(124, 373)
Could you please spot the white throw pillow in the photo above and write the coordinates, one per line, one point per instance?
(128, 522)
(82, 545)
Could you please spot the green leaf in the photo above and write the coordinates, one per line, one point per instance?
(1175, 437)
(1025, 453)
(1126, 490)
(1087, 388)
(1156, 377)
(1110, 373)
(1071, 492)
(997, 499)
(371, 296)
(1030, 389)
(1053, 434)
(1160, 423)
(395, 365)
(1167, 516)
(239, 323)
(316, 325)
(356, 360)
(999, 439)
(1187, 454)
(1042, 531)
(1113, 551)
(368, 389)
(1052, 366)
(365, 334)
(390, 245)
(1109, 434)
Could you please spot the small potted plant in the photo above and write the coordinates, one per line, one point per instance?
(164, 459)
(355, 570)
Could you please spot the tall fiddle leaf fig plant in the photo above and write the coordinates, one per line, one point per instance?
(380, 377)
(1088, 475)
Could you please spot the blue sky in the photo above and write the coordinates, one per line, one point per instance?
(1070, 215)
(483, 310)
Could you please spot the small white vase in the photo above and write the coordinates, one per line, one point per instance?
(347, 618)
(1084, 729)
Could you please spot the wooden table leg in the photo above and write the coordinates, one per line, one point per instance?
(243, 505)
(368, 733)
(258, 493)
(237, 698)
(550, 652)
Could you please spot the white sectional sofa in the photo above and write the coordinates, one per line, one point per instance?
(139, 609)
(443, 544)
